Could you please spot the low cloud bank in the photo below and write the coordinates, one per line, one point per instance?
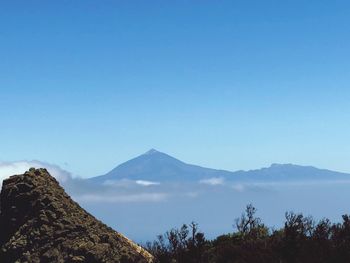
(213, 181)
(11, 168)
(143, 191)
(127, 183)
(125, 198)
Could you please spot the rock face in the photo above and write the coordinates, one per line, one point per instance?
(39, 222)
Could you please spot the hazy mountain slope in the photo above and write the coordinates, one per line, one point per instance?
(291, 172)
(159, 167)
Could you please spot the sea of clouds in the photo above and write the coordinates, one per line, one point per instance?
(8, 169)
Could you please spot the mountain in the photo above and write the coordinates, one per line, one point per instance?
(156, 166)
(159, 167)
(39, 222)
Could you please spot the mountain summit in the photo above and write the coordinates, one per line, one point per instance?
(39, 222)
(152, 151)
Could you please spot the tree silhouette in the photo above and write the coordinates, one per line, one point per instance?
(301, 240)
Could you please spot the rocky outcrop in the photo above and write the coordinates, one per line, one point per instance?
(39, 222)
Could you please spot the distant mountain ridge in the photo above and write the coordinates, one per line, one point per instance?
(292, 172)
(156, 166)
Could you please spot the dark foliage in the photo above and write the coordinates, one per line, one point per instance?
(300, 240)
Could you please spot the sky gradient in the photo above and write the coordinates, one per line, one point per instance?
(233, 85)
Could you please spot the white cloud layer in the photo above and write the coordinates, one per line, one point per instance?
(125, 198)
(126, 183)
(213, 181)
(146, 183)
(11, 168)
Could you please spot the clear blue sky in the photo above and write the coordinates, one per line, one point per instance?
(224, 84)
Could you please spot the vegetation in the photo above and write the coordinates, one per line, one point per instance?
(300, 240)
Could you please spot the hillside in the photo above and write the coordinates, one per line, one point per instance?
(39, 222)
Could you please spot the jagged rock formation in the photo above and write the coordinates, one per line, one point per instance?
(39, 222)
